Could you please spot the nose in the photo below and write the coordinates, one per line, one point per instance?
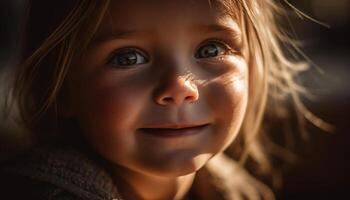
(178, 91)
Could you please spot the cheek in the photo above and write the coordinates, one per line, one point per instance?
(228, 99)
(109, 108)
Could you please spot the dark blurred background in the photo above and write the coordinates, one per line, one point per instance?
(323, 172)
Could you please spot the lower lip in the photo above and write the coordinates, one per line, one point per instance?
(169, 133)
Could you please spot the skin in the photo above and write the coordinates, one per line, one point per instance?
(170, 86)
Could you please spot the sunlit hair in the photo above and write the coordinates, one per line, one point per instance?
(39, 81)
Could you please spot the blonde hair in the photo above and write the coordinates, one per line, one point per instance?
(271, 75)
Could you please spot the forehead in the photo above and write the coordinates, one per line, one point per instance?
(163, 14)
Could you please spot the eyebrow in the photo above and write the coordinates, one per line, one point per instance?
(118, 34)
(123, 34)
(234, 33)
(219, 28)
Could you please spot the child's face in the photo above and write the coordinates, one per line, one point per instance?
(161, 65)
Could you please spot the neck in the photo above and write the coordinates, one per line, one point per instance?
(137, 186)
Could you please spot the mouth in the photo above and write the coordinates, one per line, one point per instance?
(174, 131)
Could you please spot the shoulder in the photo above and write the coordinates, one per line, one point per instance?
(59, 172)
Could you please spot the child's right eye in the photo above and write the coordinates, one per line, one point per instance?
(127, 57)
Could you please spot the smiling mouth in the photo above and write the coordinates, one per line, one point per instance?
(174, 132)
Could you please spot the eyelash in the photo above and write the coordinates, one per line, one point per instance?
(137, 51)
(227, 48)
(126, 50)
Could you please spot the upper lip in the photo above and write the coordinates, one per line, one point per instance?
(174, 126)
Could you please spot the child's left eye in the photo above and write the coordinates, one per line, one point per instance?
(212, 49)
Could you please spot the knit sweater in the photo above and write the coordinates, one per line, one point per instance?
(64, 172)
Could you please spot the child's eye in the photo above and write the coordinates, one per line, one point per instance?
(127, 57)
(212, 49)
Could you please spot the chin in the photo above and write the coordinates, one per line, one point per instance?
(178, 167)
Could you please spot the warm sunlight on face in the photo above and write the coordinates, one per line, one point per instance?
(163, 86)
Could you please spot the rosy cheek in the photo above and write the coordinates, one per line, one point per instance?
(110, 107)
(227, 93)
(106, 116)
(237, 79)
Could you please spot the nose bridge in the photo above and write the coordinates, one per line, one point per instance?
(172, 63)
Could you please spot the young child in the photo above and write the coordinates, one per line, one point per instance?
(140, 99)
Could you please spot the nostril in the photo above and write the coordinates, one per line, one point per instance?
(190, 98)
(168, 99)
(172, 100)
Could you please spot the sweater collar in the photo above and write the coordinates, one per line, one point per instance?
(76, 170)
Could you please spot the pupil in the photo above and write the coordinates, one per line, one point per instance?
(127, 59)
(210, 51)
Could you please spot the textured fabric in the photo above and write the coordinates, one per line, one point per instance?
(58, 173)
(64, 172)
